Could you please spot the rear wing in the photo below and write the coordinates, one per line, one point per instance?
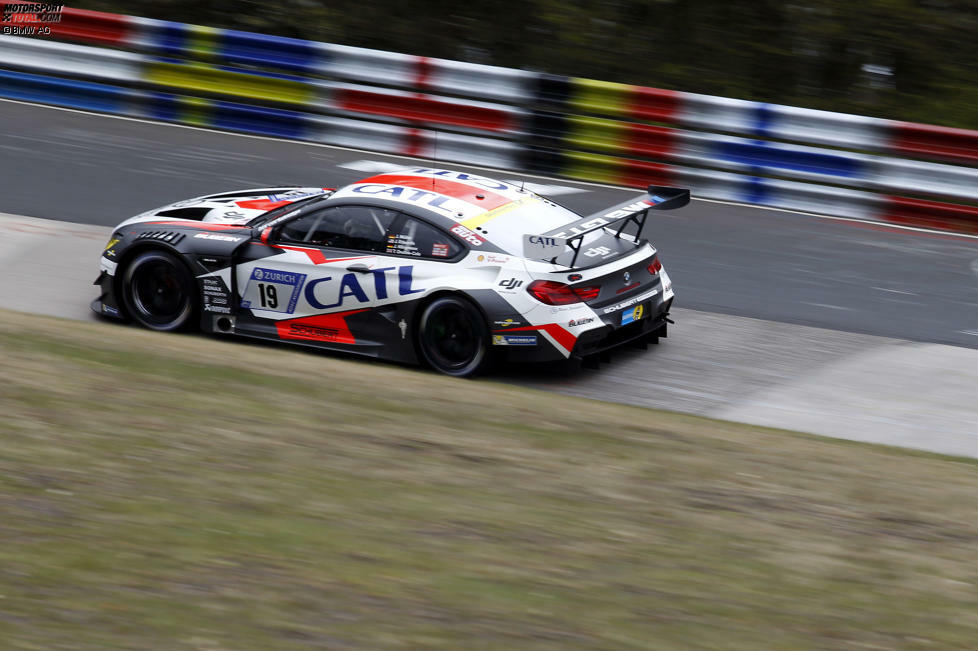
(551, 244)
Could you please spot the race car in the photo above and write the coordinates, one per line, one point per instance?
(439, 267)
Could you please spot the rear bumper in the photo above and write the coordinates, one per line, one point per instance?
(603, 339)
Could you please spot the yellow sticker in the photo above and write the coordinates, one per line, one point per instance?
(479, 220)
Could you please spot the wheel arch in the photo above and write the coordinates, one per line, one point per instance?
(128, 256)
(431, 298)
(449, 293)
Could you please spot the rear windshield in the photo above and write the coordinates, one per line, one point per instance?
(532, 215)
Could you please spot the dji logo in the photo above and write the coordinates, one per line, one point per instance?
(510, 283)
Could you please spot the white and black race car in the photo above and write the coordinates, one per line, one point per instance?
(421, 265)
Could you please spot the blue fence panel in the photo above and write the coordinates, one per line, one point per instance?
(63, 92)
(269, 51)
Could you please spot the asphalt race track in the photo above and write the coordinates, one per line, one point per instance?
(790, 320)
(729, 259)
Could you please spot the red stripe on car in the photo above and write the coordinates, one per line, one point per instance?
(322, 327)
(316, 256)
(560, 335)
(262, 204)
(199, 225)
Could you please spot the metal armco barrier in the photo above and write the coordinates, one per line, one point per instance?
(728, 149)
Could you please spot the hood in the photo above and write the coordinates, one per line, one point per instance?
(236, 208)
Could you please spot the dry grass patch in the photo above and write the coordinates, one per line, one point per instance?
(163, 491)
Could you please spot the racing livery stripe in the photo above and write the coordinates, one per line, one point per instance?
(273, 201)
(321, 327)
(208, 226)
(262, 204)
(559, 335)
(316, 256)
(454, 189)
(479, 220)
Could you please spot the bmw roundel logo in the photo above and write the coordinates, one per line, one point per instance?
(628, 277)
(259, 274)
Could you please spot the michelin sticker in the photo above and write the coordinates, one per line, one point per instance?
(514, 340)
(272, 291)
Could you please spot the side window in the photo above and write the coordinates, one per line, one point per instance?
(363, 228)
(416, 238)
(300, 228)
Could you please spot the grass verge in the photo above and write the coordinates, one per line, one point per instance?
(164, 491)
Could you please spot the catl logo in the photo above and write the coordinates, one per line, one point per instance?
(350, 287)
(510, 283)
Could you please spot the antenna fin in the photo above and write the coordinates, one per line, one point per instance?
(434, 161)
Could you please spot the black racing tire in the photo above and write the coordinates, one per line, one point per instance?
(453, 337)
(159, 292)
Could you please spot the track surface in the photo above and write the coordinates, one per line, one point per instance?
(737, 260)
(810, 379)
(837, 278)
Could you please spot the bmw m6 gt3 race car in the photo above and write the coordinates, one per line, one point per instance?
(421, 265)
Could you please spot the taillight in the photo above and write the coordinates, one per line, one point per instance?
(655, 267)
(587, 293)
(553, 293)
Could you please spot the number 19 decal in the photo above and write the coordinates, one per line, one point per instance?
(268, 295)
(272, 291)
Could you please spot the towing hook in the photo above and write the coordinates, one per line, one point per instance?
(668, 320)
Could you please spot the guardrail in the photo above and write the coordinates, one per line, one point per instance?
(816, 161)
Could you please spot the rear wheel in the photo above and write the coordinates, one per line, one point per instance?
(453, 337)
(158, 291)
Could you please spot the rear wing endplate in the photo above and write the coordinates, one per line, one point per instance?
(551, 244)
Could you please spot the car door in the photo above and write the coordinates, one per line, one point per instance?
(331, 280)
(427, 250)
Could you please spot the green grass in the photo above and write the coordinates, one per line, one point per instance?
(177, 492)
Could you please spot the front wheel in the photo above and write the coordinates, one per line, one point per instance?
(158, 291)
(453, 337)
